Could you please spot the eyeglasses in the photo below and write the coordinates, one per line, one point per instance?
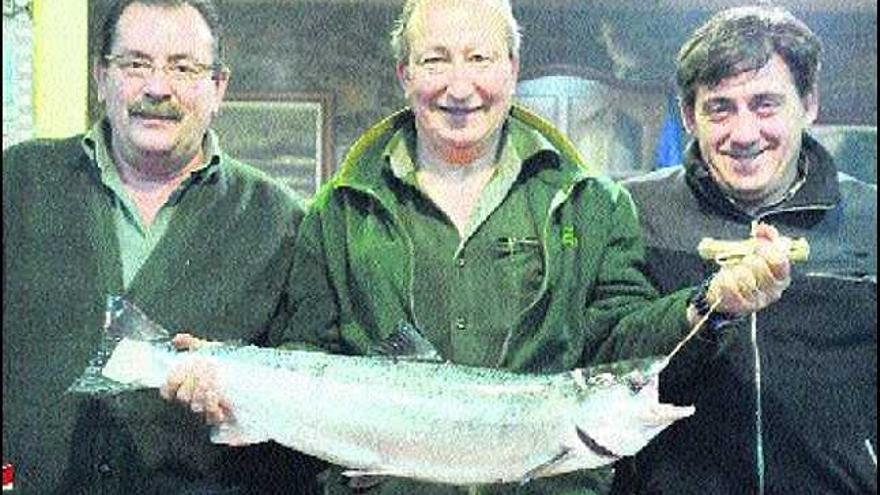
(179, 71)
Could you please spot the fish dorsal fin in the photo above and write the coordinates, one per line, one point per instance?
(407, 343)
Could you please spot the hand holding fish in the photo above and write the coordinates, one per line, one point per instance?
(415, 415)
(758, 277)
(194, 382)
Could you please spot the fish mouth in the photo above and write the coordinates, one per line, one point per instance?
(661, 415)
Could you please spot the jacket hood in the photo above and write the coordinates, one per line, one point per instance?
(819, 191)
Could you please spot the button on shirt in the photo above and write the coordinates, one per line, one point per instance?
(136, 240)
(469, 290)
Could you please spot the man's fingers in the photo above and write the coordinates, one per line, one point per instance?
(187, 342)
(725, 287)
(776, 256)
(755, 274)
(765, 231)
(747, 286)
(185, 391)
(217, 408)
(172, 384)
(194, 383)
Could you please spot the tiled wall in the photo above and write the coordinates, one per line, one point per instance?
(18, 121)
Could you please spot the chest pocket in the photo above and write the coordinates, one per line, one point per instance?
(518, 262)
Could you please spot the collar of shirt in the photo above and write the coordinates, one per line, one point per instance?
(518, 144)
(96, 144)
(815, 189)
(136, 240)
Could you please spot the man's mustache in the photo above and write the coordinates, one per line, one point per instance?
(741, 152)
(155, 109)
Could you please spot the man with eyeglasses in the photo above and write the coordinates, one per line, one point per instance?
(147, 205)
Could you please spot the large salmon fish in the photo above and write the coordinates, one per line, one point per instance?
(406, 413)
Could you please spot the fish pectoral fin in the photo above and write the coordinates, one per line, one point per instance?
(408, 344)
(546, 467)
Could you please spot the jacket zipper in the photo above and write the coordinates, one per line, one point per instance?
(753, 320)
(557, 201)
(759, 419)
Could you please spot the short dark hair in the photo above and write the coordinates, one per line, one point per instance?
(742, 39)
(207, 8)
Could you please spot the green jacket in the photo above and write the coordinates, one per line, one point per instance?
(217, 271)
(594, 303)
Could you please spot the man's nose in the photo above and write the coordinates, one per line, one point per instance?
(745, 129)
(460, 85)
(158, 83)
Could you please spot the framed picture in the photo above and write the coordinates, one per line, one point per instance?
(286, 135)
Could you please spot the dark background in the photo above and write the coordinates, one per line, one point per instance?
(339, 49)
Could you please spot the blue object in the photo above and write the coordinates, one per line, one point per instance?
(670, 144)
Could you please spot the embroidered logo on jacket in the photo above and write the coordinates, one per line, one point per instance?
(569, 238)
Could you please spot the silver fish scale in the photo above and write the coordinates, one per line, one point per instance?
(434, 421)
(437, 433)
(428, 421)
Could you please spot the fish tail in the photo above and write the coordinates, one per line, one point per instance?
(124, 322)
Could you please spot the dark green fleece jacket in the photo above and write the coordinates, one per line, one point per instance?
(217, 271)
(354, 264)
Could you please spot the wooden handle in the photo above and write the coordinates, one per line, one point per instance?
(725, 252)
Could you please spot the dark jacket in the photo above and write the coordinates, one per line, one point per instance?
(217, 271)
(593, 301)
(798, 402)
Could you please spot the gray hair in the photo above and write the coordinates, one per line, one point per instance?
(743, 39)
(400, 34)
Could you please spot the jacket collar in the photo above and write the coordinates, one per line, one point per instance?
(362, 170)
(819, 190)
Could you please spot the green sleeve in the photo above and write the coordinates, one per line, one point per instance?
(312, 313)
(627, 309)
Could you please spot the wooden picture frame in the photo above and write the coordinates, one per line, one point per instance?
(287, 135)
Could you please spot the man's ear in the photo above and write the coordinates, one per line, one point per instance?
(811, 104)
(686, 111)
(514, 65)
(221, 82)
(99, 74)
(403, 75)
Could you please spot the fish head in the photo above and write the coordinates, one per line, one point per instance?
(619, 408)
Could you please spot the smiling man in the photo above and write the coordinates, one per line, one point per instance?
(788, 402)
(477, 222)
(145, 204)
(749, 129)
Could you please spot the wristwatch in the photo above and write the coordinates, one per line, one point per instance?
(718, 319)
